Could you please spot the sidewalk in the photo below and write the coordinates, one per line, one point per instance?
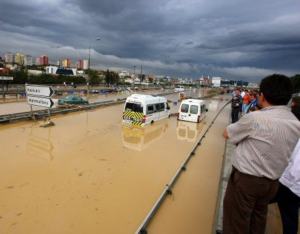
(225, 177)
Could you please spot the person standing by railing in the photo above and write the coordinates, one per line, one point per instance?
(236, 102)
(265, 140)
(288, 196)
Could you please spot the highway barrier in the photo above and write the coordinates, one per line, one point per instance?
(142, 229)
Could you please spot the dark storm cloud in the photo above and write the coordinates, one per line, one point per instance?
(234, 38)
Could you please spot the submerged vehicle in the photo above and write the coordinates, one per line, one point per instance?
(179, 89)
(143, 109)
(72, 100)
(192, 110)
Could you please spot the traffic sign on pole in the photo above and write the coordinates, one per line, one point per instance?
(40, 91)
(40, 101)
(6, 78)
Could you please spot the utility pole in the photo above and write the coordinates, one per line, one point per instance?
(89, 65)
(89, 61)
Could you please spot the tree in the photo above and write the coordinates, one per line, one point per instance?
(94, 79)
(20, 76)
(107, 77)
(111, 77)
(296, 82)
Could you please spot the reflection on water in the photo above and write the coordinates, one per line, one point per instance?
(187, 131)
(139, 138)
(39, 143)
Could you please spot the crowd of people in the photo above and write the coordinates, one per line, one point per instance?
(266, 161)
(243, 101)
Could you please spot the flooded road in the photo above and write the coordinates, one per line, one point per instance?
(88, 173)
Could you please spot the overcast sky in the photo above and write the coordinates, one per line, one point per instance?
(235, 39)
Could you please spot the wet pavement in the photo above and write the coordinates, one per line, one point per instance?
(88, 173)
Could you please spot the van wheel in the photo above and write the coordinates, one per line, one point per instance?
(152, 122)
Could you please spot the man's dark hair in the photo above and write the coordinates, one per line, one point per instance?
(296, 106)
(277, 89)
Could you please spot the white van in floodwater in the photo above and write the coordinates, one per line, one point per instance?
(141, 109)
(192, 110)
(179, 89)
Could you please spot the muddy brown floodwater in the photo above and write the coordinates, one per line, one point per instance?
(88, 173)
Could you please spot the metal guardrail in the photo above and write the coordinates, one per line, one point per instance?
(142, 229)
(55, 111)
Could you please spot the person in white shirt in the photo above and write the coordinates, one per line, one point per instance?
(265, 141)
(288, 196)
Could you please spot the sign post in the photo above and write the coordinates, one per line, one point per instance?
(5, 80)
(40, 96)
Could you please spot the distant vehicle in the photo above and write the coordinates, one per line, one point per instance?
(107, 91)
(142, 109)
(94, 91)
(179, 89)
(192, 110)
(72, 100)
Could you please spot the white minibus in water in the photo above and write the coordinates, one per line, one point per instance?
(140, 109)
(192, 110)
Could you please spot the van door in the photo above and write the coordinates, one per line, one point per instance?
(203, 112)
(162, 111)
(150, 114)
(184, 111)
(193, 113)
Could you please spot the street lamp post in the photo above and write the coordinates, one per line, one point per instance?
(89, 61)
(89, 66)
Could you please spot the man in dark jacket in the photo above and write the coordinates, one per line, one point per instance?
(235, 106)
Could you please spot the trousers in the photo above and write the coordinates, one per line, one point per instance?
(235, 114)
(288, 204)
(246, 203)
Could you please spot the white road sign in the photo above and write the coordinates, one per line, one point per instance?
(6, 78)
(41, 91)
(40, 101)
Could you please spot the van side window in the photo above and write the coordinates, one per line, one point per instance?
(150, 109)
(184, 108)
(194, 109)
(157, 107)
(203, 109)
(160, 107)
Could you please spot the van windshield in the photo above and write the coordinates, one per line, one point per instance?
(133, 107)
